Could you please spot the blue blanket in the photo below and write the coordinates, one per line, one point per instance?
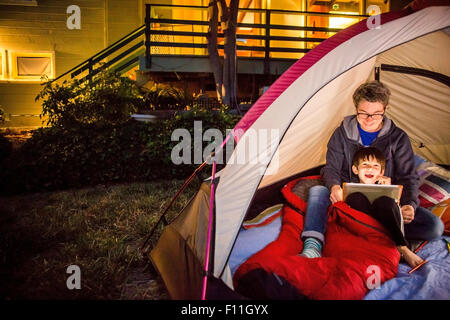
(431, 281)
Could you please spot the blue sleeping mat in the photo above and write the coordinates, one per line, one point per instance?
(431, 281)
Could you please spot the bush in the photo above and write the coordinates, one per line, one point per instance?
(58, 157)
(219, 119)
(2, 115)
(163, 97)
(5, 144)
(5, 149)
(108, 99)
(92, 138)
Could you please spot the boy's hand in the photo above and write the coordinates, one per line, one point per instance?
(384, 180)
(336, 194)
(407, 213)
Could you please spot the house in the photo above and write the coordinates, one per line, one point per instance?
(56, 39)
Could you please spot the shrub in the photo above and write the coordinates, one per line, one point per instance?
(108, 99)
(92, 138)
(58, 157)
(161, 96)
(219, 119)
(5, 144)
(5, 149)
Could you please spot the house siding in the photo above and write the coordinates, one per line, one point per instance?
(43, 29)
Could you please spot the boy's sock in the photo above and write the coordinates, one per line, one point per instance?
(312, 248)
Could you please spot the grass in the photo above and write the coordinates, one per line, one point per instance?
(100, 229)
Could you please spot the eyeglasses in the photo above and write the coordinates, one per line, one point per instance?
(364, 116)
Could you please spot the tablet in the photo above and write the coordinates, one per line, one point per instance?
(373, 191)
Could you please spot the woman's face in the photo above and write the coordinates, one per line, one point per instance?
(374, 121)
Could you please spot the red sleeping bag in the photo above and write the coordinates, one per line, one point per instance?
(358, 256)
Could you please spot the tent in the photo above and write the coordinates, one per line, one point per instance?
(408, 51)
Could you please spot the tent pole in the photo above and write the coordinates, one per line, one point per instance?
(208, 243)
(162, 217)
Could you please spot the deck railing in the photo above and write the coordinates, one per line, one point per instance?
(267, 36)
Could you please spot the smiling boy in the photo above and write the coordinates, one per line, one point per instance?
(369, 164)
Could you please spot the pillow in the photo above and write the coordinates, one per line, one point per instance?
(434, 185)
(258, 235)
(442, 210)
(418, 160)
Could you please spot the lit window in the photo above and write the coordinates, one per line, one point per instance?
(342, 22)
(32, 66)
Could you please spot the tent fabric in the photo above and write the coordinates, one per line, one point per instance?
(421, 100)
(183, 243)
(300, 67)
(356, 245)
(415, 100)
(294, 119)
(337, 58)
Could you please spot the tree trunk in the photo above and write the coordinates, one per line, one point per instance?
(214, 59)
(225, 74)
(229, 72)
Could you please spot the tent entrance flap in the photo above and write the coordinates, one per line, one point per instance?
(178, 266)
(180, 251)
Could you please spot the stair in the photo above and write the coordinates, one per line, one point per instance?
(120, 56)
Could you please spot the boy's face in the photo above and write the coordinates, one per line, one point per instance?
(368, 170)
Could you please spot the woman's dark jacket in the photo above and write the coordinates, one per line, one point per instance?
(394, 143)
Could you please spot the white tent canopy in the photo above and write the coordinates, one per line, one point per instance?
(309, 109)
(299, 113)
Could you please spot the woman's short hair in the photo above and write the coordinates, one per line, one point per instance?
(366, 153)
(372, 91)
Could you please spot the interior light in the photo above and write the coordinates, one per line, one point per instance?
(342, 22)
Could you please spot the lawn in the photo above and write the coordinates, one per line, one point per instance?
(100, 229)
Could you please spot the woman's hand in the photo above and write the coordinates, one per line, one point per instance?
(384, 180)
(407, 213)
(336, 194)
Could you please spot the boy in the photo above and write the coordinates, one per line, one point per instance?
(369, 164)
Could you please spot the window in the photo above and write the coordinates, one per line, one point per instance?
(32, 65)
